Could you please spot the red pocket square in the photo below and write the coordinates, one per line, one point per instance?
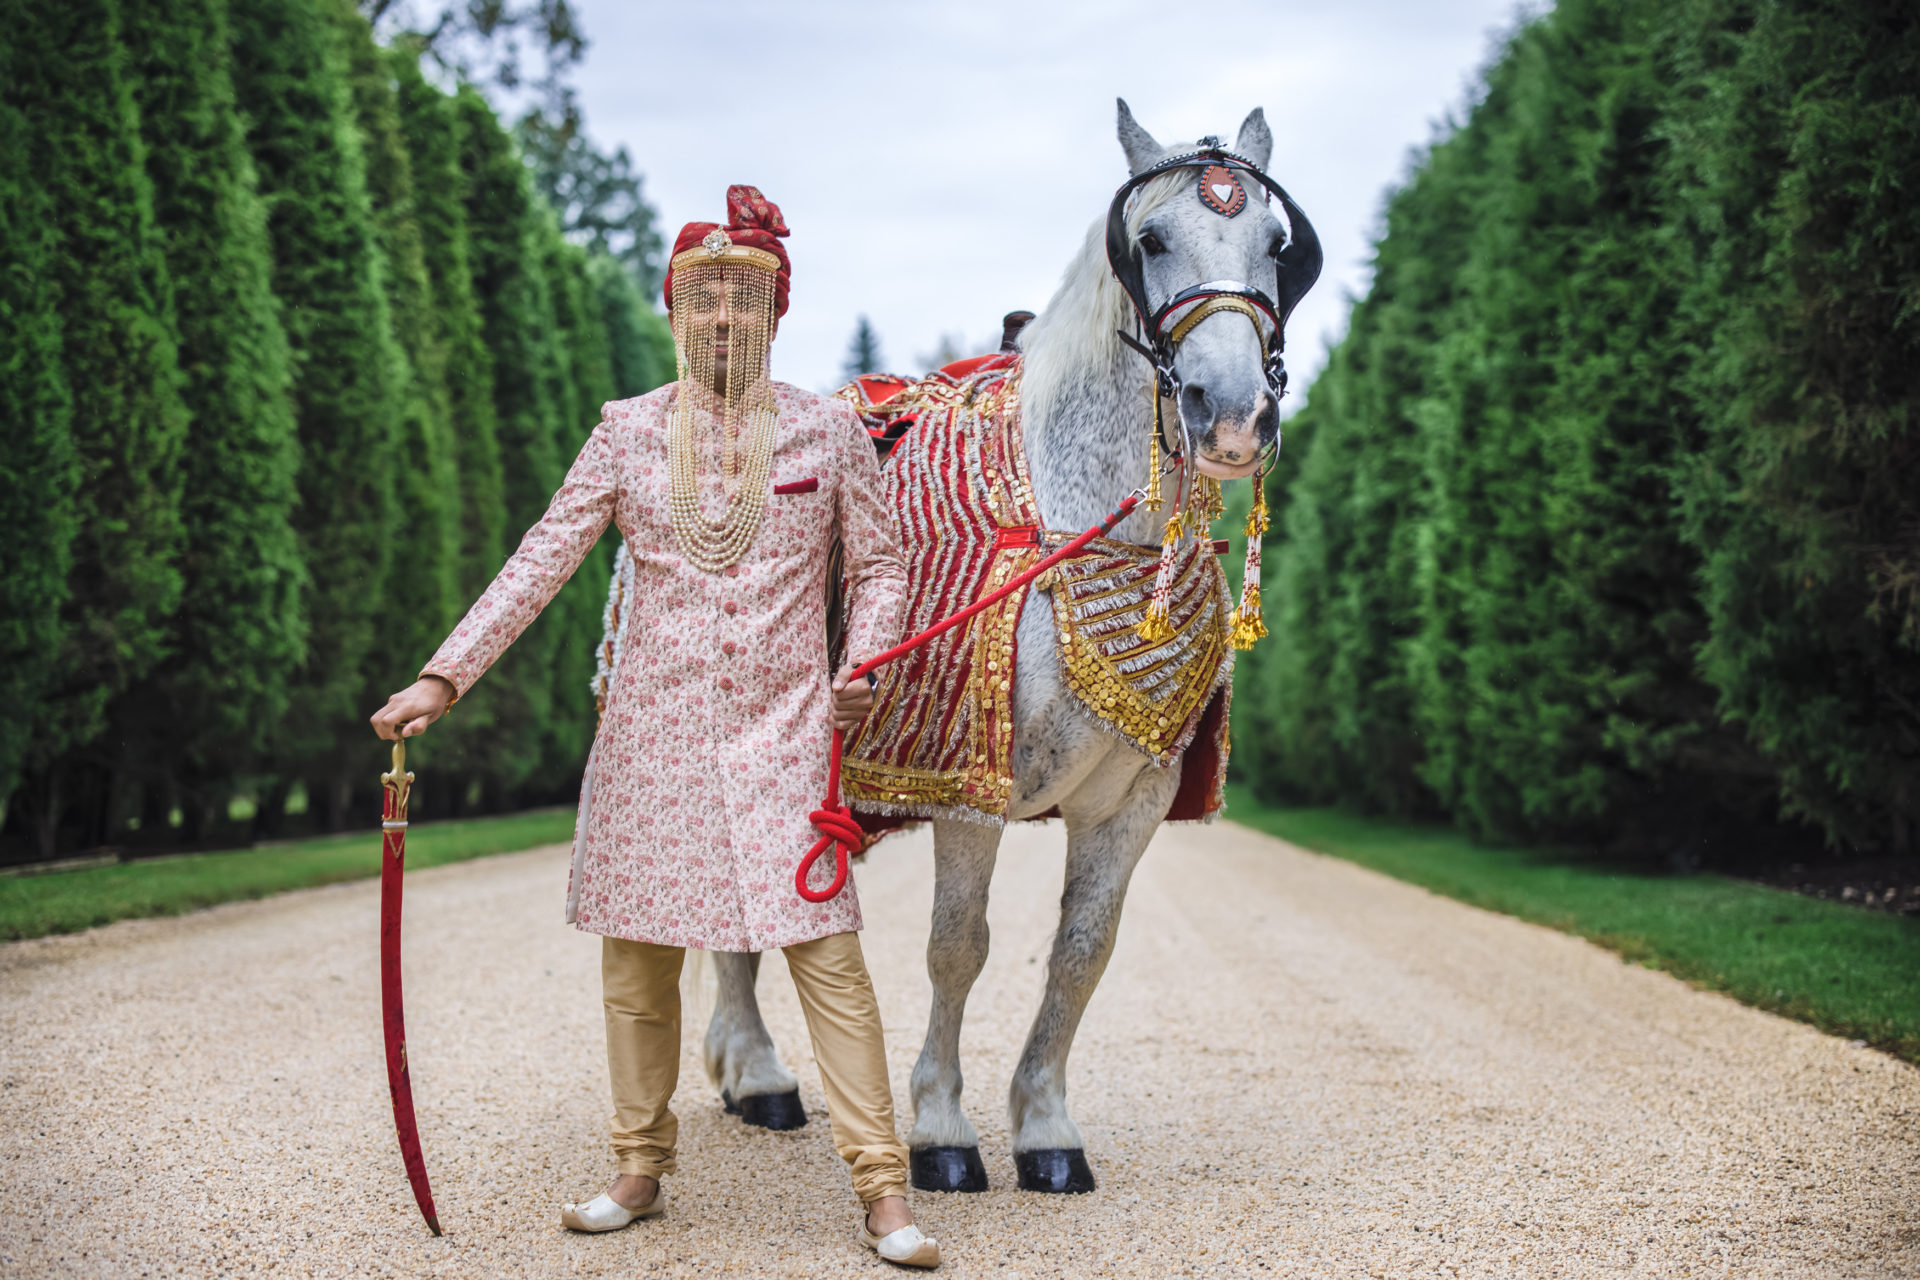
(809, 485)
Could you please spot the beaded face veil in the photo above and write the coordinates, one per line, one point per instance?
(722, 293)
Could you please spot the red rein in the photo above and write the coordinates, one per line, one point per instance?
(833, 820)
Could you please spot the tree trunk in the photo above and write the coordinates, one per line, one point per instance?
(50, 798)
(339, 794)
(270, 814)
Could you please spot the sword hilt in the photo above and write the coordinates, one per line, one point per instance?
(397, 785)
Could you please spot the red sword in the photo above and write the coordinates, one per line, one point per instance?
(393, 858)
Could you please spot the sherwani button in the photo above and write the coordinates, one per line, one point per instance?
(726, 683)
(732, 571)
(727, 648)
(730, 607)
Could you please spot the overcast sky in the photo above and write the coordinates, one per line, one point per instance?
(940, 163)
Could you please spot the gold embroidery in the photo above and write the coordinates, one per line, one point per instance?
(939, 742)
(1149, 691)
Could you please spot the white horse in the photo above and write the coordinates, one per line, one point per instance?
(1086, 416)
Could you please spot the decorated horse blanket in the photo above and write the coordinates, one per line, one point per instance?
(938, 742)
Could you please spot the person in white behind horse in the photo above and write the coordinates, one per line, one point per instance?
(712, 745)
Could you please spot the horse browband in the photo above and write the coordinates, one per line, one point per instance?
(1295, 268)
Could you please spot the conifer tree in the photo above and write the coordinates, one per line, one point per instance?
(434, 147)
(863, 351)
(640, 343)
(1551, 703)
(598, 197)
(329, 276)
(465, 742)
(588, 366)
(515, 304)
(200, 720)
(1331, 700)
(107, 279)
(423, 591)
(1643, 326)
(1795, 176)
(38, 470)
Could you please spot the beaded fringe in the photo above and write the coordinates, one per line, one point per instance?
(925, 812)
(1157, 625)
(1246, 625)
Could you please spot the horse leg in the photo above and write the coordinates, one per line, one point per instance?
(946, 1149)
(754, 1084)
(1048, 1153)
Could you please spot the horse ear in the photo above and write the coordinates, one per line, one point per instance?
(1142, 151)
(1256, 140)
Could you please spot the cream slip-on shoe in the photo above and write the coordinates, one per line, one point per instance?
(907, 1246)
(604, 1213)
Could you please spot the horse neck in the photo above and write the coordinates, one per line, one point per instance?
(1087, 434)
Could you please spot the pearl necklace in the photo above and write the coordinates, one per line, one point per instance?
(710, 544)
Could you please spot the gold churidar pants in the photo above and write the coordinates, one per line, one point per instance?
(640, 983)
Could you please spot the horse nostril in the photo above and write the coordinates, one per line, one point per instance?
(1193, 408)
(1266, 419)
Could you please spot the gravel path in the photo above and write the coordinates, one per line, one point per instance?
(1294, 1067)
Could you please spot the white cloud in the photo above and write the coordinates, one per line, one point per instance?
(940, 163)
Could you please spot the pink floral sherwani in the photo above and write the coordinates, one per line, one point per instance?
(713, 748)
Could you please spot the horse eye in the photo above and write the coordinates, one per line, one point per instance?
(1151, 243)
(1277, 247)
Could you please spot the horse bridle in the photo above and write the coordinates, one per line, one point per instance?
(1295, 268)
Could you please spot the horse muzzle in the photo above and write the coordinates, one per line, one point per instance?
(1229, 438)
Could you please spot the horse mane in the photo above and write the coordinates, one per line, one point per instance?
(1077, 332)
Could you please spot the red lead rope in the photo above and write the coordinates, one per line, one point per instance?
(833, 820)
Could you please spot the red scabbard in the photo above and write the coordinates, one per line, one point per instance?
(393, 860)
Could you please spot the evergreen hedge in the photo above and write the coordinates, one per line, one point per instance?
(106, 276)
(294, 352)
(1603, 522)
(207, 711)
(39, 466)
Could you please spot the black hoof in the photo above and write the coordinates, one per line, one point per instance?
(1057, 1171)
(948, 1169)
(773, 1110)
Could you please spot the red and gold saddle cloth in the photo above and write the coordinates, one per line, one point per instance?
(938, 742)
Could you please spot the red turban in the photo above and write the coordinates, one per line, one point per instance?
(752, 220)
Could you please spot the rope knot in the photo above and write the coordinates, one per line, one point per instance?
(838, 832)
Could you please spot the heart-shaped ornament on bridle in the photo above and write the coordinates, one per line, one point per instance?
(1220, 190)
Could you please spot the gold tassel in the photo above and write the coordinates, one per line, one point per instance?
(1247, 625)
(1157, 624)
(1154, 501)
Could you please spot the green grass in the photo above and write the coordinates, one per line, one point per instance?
(64, 901)
(1846, 970)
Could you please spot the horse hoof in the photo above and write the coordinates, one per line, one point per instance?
(1056, 1171)
(948, 1169)
(774, 1110)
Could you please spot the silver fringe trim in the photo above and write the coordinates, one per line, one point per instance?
(959, 813)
